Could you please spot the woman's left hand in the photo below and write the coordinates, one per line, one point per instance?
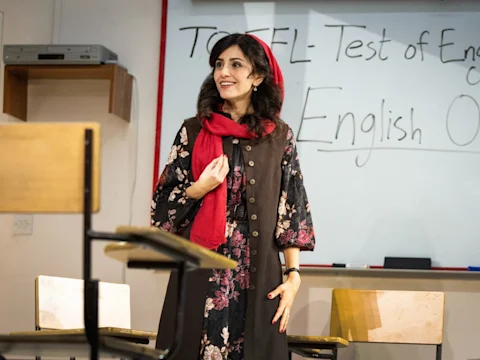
(287, 292)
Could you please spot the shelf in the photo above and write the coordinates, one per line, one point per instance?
(16, 85)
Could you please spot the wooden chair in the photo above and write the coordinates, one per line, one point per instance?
(59, 310)
(394, 317)
(55, 168)
(381, 316)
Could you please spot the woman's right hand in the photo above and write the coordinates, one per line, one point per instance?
(215, 172)
(212, 176)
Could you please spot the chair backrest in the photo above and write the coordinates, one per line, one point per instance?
(406, 317)
(59, 304)
(42, 167)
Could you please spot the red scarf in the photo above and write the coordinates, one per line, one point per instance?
(210, 224)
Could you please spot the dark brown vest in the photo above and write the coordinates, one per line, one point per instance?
(262, 339)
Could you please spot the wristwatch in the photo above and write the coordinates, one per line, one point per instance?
(288, 271)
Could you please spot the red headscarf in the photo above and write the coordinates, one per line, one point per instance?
(209, 226)
(276, 72)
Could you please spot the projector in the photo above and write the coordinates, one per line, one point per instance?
(39, 54)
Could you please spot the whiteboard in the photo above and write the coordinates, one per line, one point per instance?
(385, 102)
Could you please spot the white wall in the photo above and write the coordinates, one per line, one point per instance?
(131, 28)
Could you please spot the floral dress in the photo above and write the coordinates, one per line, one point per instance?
(226, 301)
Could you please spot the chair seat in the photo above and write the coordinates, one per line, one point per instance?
(135, 336)
(316, 342)
(308, 353)
(67, 346)
(315, 346)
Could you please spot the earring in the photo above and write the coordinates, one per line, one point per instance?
(254, 88)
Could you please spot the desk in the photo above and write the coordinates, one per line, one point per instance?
(134, 336)
(67, 346)
(141, 256)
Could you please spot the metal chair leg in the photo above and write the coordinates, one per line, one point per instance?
(334, 353)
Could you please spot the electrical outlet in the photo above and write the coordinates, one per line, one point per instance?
(23, 225)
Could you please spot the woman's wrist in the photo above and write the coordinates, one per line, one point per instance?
(294, 277)
(196, 191)
(294, 280)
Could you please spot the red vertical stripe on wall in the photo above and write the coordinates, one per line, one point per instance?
(161, 79)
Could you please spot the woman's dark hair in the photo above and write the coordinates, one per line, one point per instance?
(266, 101)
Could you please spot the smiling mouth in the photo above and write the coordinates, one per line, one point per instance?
(226, 84)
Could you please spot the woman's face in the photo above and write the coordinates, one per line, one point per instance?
(233, 75)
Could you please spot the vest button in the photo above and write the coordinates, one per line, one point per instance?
(253, 252)
(248, 148)
(235, 141)
(251, 163)
(255, 234)
(252, 181)
(253, 269)
(253, 217)
(252, 200)
(252, 287)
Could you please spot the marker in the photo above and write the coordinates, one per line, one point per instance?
(357, 266)
(473, 268)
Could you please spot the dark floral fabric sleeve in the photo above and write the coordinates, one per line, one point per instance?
(171, 209)
(294, 225)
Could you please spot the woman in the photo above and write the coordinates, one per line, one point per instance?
(232, 183)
